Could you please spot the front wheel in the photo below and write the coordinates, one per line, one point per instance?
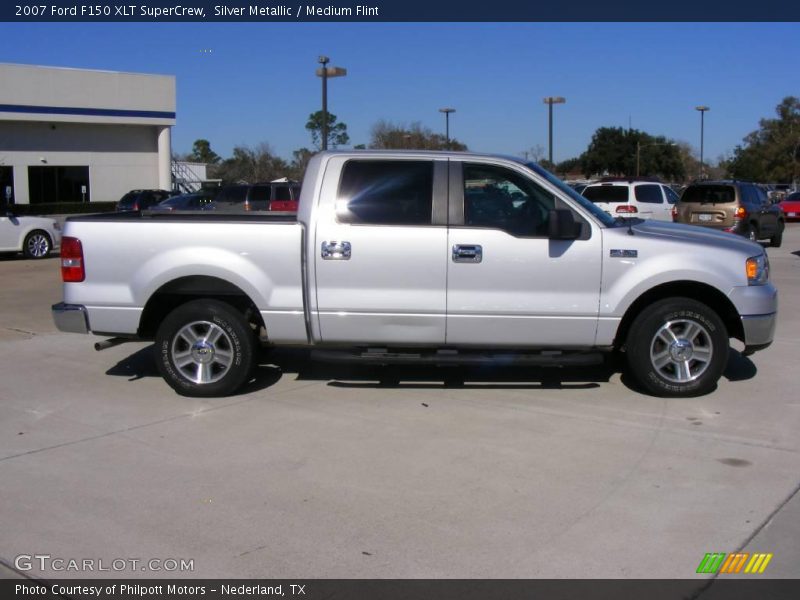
(37, 244)
(204, 348)
(677, 347)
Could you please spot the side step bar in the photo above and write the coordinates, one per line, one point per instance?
(382, 356)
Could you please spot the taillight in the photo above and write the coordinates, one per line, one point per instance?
(740, 213)
(72, 260)
(674, 214)
(135, 205)
(627, 208)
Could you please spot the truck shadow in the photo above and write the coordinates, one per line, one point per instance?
(272, 366)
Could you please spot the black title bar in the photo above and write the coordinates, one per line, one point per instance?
(371, 11)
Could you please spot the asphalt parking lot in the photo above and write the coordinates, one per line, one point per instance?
(326, 472)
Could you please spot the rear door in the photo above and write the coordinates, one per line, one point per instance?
(507, 283)
(767, 212)
(381, 251)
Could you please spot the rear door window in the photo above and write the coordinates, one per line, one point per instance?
(384, 192)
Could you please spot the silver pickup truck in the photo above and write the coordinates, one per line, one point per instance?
(397, 257)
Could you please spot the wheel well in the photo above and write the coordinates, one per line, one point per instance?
(708, 295)
(42, 231)
(185, 289)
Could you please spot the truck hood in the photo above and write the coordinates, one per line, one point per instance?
(694, 235)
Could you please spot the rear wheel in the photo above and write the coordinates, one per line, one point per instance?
(776, 240)
(677, 347)
(37, 244)
(205, 348)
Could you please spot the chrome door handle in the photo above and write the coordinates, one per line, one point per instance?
(467, 253)
(336, 250)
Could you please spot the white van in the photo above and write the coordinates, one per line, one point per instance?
(640, 198)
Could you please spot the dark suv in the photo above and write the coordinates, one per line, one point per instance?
(142, 199)
(735, 206)
(273, 196)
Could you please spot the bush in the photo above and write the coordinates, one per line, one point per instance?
(62, 208)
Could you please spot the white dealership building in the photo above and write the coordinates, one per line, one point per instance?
(76, 135)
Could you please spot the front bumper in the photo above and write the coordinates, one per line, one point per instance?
(71, 318)
(758, 307)
(758, 331)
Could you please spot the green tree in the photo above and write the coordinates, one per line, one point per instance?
(337, 132)
(250, 165)
(297, 167)
(614, 151)
(772, 152)
(202, 152)
(387, 135)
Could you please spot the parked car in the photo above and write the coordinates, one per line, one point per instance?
(790, 206)
(142, 199)
(433, 257)
(641, 198)
(35, 237)
(195, 201)
(268, 196)
(737, 207)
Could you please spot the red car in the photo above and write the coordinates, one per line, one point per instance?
(790, 206)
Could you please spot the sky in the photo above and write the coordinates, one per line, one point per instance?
(250, 83)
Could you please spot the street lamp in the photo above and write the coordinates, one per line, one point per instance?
(639, 147)
(325, 72)
(447, 112)
(550, 100)
(702, 110)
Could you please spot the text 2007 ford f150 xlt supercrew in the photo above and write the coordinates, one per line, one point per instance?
(414, 256)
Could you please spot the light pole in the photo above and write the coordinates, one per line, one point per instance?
(447, 112)
(702, 110)
(639, 147)
(550, 100)
(325, 72)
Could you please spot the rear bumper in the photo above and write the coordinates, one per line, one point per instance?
(71, 318)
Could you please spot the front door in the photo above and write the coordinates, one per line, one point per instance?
(381, 252)
(507, 283)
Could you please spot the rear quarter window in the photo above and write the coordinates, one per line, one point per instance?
(649, 194)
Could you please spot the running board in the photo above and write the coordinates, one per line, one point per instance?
(383, 356)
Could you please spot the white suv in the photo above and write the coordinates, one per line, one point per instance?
(645, 199)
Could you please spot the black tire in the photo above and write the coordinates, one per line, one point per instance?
(693, 360)
(37, 244)
(205, 348)
(776, 240)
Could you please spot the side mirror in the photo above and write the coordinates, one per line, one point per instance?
(562, 225)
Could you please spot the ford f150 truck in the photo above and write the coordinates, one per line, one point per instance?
(445, 258)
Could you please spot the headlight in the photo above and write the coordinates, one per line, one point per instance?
(757, 268)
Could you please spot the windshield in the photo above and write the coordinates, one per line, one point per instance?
(606, 193)
(597, 212)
